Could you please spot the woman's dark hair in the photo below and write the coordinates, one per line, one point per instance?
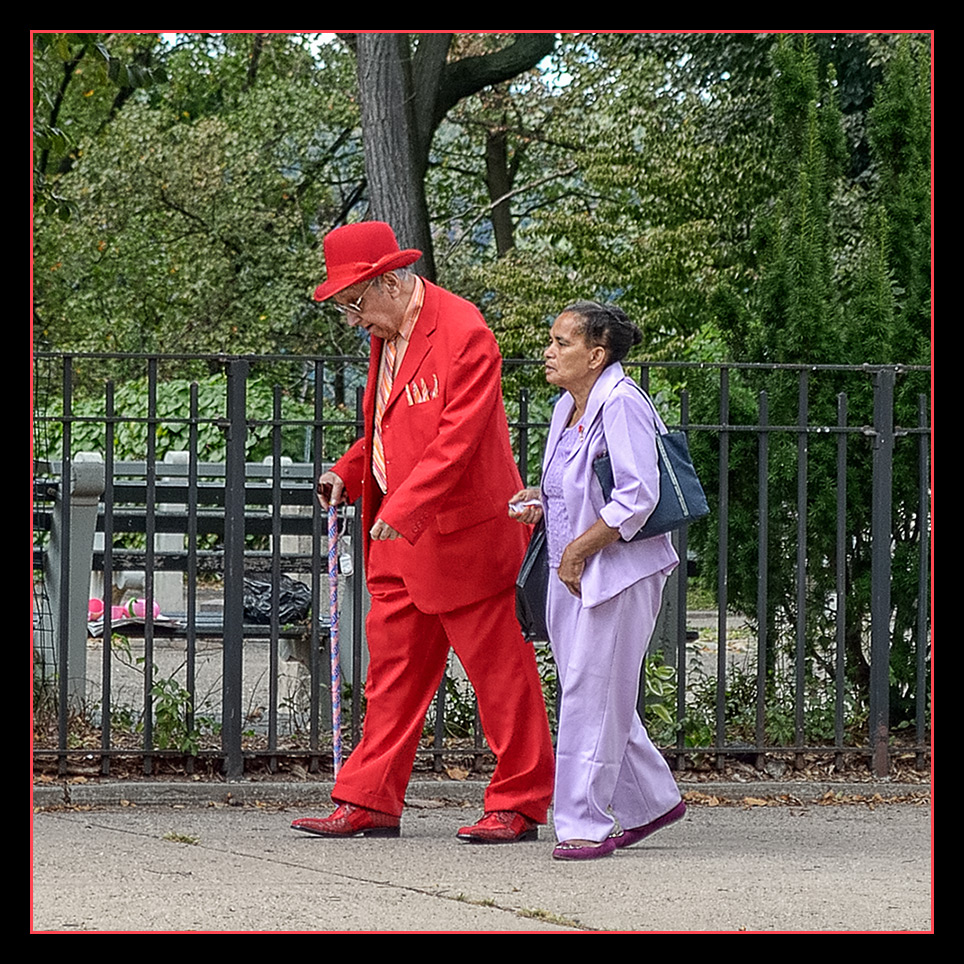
(608, 326)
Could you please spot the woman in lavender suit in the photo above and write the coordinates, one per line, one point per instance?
(613, 787)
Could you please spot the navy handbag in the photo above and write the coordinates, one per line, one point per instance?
(681, 497)
(532, 586)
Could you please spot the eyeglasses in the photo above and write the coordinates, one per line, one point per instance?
(355, 307)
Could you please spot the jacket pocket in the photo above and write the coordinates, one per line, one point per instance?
(467, 515)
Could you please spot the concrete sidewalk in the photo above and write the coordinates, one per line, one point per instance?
(192, 861)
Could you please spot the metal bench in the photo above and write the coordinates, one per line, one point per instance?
(183, 511)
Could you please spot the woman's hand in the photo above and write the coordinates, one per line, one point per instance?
(574, 556)
(526, 514)
(571, 567)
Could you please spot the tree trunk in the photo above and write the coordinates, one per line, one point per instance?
(396, 187)
(498, 180)
(402, 104)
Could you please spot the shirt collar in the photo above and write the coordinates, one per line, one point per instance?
(413, 310)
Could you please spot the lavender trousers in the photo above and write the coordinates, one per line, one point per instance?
(606, 764)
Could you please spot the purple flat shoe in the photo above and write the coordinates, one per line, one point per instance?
(626, 838)
(567, 850)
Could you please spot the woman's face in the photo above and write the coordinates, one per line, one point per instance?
(570, 362)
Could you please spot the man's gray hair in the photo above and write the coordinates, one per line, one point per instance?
(403, 274)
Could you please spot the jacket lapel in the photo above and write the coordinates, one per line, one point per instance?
(374, 361)
(560, 414)
(601, 390)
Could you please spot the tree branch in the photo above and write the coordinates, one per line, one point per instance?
(467, 76)
(427, 67)
(227, 242)
(259, 41)
(505, 197)
(69, 69)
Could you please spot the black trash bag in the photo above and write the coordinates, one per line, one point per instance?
(294, 600)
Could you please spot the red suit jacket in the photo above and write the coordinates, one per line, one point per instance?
(448, 458)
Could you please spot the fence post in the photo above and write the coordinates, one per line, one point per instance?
(840, 607)
(880, 569)
(319, 536)
(923, 571)
(800, 651)
(524, 435)
(763, 573)
(723, 523)
(234, 498)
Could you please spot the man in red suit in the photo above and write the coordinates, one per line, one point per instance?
(434, 473)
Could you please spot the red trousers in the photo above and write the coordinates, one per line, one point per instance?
(408, 651)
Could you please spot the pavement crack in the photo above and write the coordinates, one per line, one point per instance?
(527, 913)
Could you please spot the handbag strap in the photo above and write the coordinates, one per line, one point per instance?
(658, 423)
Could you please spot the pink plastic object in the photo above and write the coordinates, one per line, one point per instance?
(95, 608)
(118, 612)
(138, 607)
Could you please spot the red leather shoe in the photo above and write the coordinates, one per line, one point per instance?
(350, 821)
(500, 826)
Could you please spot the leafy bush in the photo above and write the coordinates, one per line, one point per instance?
(173, 421)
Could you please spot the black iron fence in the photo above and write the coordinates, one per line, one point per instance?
(799, 624)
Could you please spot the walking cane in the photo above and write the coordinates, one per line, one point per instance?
(333, 637)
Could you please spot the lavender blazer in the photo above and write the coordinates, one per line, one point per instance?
(618, 419)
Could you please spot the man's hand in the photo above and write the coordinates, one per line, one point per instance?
(382, 530)
(331, 490)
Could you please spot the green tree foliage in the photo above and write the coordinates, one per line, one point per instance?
(199, 203)
(827, 292)
(79, 85)
(198, 207)
(900, 139)
(659, 188)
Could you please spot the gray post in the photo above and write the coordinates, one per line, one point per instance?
(169, 586)
(665, 637)
(83, 491)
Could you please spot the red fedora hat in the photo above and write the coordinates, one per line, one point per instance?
(357, 252)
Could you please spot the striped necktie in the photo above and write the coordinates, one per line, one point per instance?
(385, 380)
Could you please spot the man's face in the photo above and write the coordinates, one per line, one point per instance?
(377, 306)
